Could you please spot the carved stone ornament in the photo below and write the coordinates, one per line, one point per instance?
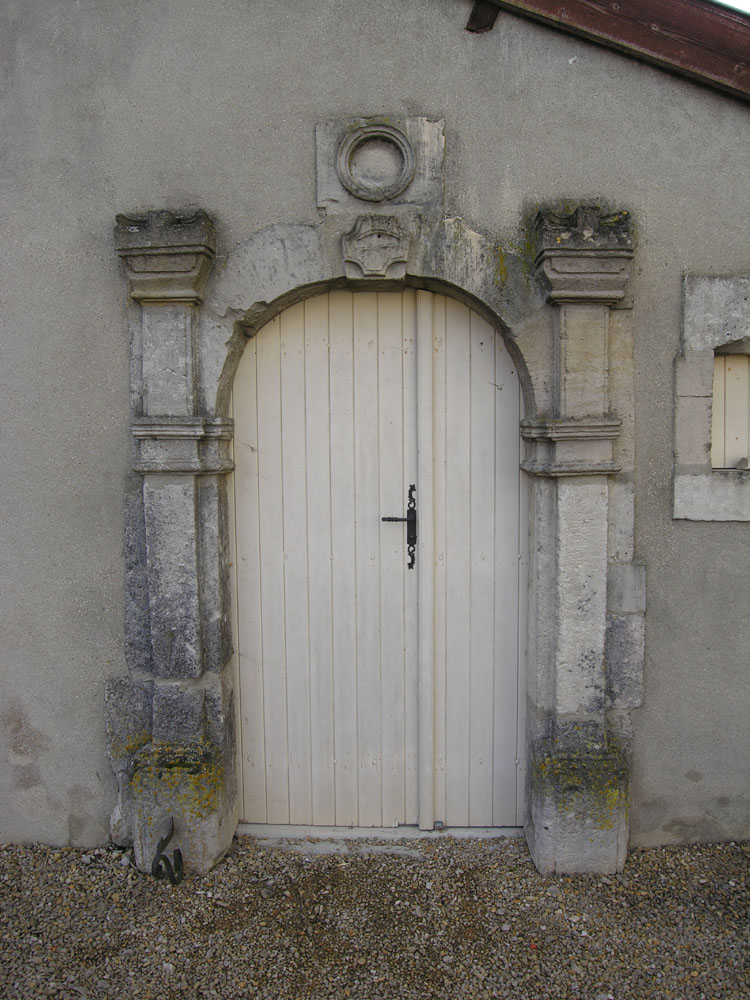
(376, 162)
(585, 255)
(191, 445)
(377, 247)
(167, 257)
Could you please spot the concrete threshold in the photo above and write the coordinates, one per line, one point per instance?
(404, 840)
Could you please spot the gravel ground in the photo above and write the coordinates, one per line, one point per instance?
(454, 919)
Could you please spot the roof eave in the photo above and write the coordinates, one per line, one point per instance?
(695, 38)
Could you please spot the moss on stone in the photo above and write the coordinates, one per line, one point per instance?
(191, 775)
(588, 780)
(501, 266)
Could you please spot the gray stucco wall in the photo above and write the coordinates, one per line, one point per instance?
(162, 104)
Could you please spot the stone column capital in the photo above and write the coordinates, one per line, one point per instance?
(583, 256)
(167, 256)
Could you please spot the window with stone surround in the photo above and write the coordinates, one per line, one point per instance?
(712, 401)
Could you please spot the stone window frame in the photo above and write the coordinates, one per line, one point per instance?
(716, 320)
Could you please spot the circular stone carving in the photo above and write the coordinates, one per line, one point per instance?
(375, 163)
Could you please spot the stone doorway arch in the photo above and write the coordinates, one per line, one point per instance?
(171, 728)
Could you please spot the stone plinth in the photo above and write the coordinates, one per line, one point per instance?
(578, 813)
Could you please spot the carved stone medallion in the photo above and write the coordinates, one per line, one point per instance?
(376, 162)
(377, 247)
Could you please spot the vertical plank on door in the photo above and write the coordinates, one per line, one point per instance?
(319, 551)
(523, 602)
(438, 505)
(235, 643)
(425, 558)
(248, 612)
(273, 633)
(367, 532)
(392, 502)
(411, 578)
(506, 574)
(294, 499)
(718, 430)
(482, 585)
(458, 549)
(343, 545)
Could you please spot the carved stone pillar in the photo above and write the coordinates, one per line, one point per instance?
(577, 803)
(170, 723)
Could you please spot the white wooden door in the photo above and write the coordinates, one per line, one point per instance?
(372, 694)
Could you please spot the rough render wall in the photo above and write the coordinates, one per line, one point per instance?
(128, 107)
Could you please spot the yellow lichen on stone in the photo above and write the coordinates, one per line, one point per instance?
(584, 783)
(131, 746)
(191, 776)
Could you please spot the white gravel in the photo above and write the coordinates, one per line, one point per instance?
(449, 919)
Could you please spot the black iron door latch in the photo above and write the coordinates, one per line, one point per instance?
(411, 526)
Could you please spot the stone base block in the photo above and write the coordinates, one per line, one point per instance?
(121, 820)
(194, 786)
(578, 810)
(127, 712)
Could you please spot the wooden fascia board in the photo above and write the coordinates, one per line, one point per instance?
(695, 38)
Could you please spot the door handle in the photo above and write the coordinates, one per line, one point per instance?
(411, 526)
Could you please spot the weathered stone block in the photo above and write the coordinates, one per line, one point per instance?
(693, 430)
(213, 526)
(620, 540)
(624, 655)
(173, 576)
(585, 255)
(219, 709)
(581, 594)
(178, 714)
(578, 810)
(122, 820)
(167, 257)
(137, 624)
(167, 364)
(583, 359)
(626, 588)
(693, 377)
(716, 311)
(191, 785)
(127, 712)
(715, 496)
